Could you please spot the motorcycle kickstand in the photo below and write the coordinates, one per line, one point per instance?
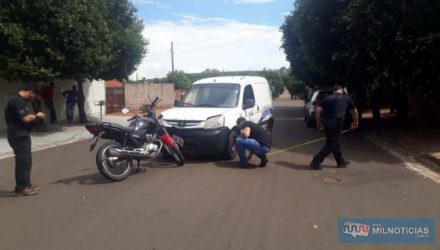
(139, 165)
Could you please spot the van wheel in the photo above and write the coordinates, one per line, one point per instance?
(231, 150)
(309, 123)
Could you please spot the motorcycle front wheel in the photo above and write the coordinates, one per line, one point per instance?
(174, 153)
(112, 167)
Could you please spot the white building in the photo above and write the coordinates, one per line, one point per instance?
(93, 91)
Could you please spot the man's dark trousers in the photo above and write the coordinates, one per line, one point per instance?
(332, 135)
(23, 161)
(53, 113)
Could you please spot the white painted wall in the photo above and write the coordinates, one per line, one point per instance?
(93, 91)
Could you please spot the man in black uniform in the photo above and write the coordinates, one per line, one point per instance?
(330, 116)
(253, 138)
(19, 121)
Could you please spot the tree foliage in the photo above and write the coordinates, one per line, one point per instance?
(182, 80)
(69, 39)
(365, 44)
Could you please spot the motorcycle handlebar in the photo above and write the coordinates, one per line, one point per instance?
(134, 117)
(155, 102)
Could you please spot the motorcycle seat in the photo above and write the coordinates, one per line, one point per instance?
(123, 128)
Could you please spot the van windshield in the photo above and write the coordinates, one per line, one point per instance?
(216, 95)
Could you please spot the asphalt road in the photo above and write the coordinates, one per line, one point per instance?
(212, 204)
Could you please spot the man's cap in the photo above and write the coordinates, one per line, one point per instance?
(30, 86)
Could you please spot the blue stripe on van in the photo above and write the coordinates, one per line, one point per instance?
(265, 113)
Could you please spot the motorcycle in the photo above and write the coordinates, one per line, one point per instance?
(143, 139)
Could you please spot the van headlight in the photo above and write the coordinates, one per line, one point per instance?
(215, 122)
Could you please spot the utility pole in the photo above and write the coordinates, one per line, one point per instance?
(172, 64)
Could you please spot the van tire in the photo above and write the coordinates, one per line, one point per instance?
(230, 150)
(269, 127)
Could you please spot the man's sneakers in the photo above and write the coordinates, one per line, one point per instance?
(247, 165)
(343, 164)
(264, 160)
(28, 191)
(35, 186)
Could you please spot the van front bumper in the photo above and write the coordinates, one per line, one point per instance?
(202, 141)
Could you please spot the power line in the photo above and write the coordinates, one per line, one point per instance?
(221, 36)
(223, 44)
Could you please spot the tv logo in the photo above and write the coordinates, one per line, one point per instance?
(356, 229)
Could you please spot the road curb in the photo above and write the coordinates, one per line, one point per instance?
(429, 161)
(47, 146)
(426, 160)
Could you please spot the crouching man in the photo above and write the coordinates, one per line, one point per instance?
(253, 138)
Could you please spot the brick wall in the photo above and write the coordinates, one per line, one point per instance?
(136, 94)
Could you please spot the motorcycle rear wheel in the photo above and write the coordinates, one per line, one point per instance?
(112, 167)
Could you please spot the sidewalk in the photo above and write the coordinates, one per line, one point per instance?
(418, 145)
(58, 134)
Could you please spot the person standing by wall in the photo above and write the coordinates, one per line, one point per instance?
(71, 99)
(178, 94)
(47, 94)
(330, 116)
(19, 121)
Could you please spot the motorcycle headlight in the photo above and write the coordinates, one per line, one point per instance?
(215, 122)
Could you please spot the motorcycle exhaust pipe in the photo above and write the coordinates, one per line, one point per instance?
(127, 153)
(114, 153)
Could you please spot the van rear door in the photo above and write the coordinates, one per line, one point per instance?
(263, 100)
(249, 104)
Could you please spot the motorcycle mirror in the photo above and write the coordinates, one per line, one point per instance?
(125, 110)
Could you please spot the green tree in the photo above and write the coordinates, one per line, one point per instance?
(25, 43)
(294, 86)
(275, 81)
(75, 39)
(364, 45)
(311, 36)
(182, 80)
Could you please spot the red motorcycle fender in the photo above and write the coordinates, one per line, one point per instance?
(167, 140)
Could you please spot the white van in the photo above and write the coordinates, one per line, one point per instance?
(206, 116)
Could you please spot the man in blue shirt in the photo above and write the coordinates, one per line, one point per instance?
(330, 116)
(71, 99)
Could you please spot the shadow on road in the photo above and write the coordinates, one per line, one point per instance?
(89, 179)
(230, 164)
(294, 166)
(7, 194)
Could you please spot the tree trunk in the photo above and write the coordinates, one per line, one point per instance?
(402, 106)
(81, 109)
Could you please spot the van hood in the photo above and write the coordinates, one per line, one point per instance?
(192, 114)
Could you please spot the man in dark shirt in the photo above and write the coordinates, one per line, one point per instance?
(19, 121)
(71, 100)
(330, 117)
(253, 138)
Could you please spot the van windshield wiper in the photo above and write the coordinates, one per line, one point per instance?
(207, 105)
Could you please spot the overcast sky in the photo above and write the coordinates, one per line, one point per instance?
(216, 34)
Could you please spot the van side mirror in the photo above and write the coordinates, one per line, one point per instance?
(248, 103)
